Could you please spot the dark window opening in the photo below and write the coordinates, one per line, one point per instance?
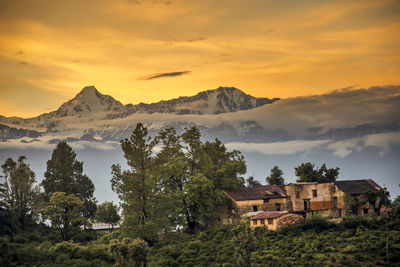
(298, 194)
(377, 212)
(339, 213)
(266, 200)
(306, 204)
(254, 222)
(355, 211)
(365, 211)
(314, 193)
(335, 202)
(278, 206)
(255, 208)
(262, 221)
(270, 221)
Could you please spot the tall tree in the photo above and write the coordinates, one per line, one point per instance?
(136, 187)
(276, 177)
(172, 174)
(198, 171)
(307, 172)
(17, 188)
(65, 174)
(64, 211)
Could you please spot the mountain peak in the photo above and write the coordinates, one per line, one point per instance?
(88, 100)
(88, 90)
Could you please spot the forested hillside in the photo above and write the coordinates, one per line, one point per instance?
(316, 242)
(172, 196)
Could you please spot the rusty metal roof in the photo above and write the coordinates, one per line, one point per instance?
(357, 187)
(269, 215)
(256, 192)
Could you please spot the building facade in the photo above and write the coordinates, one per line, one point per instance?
(334, 199)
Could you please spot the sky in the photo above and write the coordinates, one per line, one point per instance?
(152, 50)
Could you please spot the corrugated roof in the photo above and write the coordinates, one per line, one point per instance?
(269, 215)
(357, 187)
(256, 192)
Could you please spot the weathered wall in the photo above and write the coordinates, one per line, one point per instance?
(246, 206)
(286, 219)
(323, 200)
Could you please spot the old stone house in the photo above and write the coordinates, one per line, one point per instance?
(258, 198)
(335, 199)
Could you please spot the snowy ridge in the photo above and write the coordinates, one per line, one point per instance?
(216, 101)
(225, 113)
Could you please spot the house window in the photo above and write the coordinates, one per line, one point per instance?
(255, 208)
(335, 202)
(314, 193)
(262, 221)
(306, 204)
(254, 222)
(365, 211)
(270, 221)
(266, 200)
(278, 206)
(297, 194)
(377, 212)
(339, 212)
(355, 211)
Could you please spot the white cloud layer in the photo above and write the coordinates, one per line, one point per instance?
(278, 148)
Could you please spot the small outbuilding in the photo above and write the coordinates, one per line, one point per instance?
(275, 219)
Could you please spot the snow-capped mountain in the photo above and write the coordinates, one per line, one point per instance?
(103, 113)
(220, 100)
(357, 130)
(225, 113)
(88, 101)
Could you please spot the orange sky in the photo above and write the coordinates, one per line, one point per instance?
(50, 50)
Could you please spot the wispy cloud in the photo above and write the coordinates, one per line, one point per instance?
(164, 75)
(279, 148)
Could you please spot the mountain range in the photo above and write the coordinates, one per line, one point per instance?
(89, 105)
(357, 129)
(92, 116)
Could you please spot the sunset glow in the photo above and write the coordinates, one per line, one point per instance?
(147, 51)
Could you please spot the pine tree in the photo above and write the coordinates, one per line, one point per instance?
(65, 174)
(275, 178)
(136, 188)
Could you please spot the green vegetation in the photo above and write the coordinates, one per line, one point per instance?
(170, 201)
(107, 212)
(315, 242)
(307, 172)
(276, 177)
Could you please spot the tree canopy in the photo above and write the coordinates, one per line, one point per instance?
(250, 182)
(276, 177)
(17, 189)
(65, 174)
(64, 211)
(180, 185)
(107, 212)
(307, 172)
